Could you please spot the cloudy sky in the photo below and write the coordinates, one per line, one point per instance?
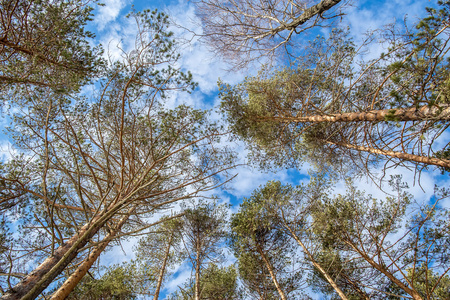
(117, 33)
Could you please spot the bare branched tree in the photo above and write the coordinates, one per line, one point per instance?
(242, 31)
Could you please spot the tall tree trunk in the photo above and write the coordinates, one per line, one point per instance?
(82, 269)
(396, 154)
(272, 273)
(163, 267)
(38, 280)
(402, 114)
(197, 273)
(316, 264)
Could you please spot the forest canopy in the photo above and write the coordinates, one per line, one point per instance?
(321, 173)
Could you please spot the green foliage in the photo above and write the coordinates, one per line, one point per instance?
(117, 283)
(258, 240)
(283, 115)
(219, 283)
(259, 108)
(444, 154)
(157, 250)
(94, 157)
(362, 236)
(428, 282)
(45, 45)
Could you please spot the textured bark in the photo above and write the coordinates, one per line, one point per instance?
(272, 274)
(396, 154)
(403, 114)
(163, 268)
(35, 282)
(317, 265)
(82, 269)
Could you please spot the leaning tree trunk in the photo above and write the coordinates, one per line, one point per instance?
(383, 269)
(396, 154)
(163, 267)
(272, 274)
(40, 278)
(436, 113)
(82, 269)
(316, 264)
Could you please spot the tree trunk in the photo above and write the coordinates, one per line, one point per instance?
(309, 13)
(317, 265)
(402, 114)
(197, 273)
(38, 280)
(163, 267)
(396, 154)
(414, 294)
(82, 269)
(272, 273)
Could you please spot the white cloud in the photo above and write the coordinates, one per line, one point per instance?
(108, 13)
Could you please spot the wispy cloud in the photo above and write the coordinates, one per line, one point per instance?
(108, 12)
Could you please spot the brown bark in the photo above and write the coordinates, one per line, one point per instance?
(317, 265)
(396, 154)
(403, 114)
(82, 269)
(35, 282)
(163, 268)
(272, 273)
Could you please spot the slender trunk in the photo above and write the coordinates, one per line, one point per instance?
(396, 154)
(272, 273)
(317, 265)
(197, 273)
(163, 267)
(82, 269)
(36, 281)
(414, 294)
(402, 114)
